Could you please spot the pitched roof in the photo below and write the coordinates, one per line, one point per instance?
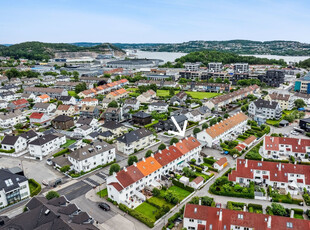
(221, 161)
(10, 115)
(63, 118)
(134, 135)
(141, 114)
(148, 165)
(129, 175)
(278, 171)
(260, 103)
(279, 96)
(9, 140)
(41, 105)
(225, 125)
(36, 115)
(167, 155)
(29, 134)
(20, 102)
(238, 218)
(187, 144)
(44, 96)
(112, 125)
(198, 180)
(43, 140)
(249, 140)
(64, 107)
(9, 180)
(298, 145)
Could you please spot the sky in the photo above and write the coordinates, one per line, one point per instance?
(158, 21)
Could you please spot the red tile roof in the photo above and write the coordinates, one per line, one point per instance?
(198, 180)
(273, 167)
(63, 107)
(221, 161)
(132, 175)
(20, 102)
(298, 145)
(249, 140)
(36, 115)
(166, 156)
(233, 217)
(187, 144)
(117, 186)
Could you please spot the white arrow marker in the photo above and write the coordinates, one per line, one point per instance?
(181, 132)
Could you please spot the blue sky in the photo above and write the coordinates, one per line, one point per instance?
(139, 21)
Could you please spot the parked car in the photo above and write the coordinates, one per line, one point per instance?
(49, 161)
(218, 205)
(44, 182)
(301, 204)
(104, 206)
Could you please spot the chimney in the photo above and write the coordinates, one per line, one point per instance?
(152, 155)
(174, 144)
(269, 222)
(299, 141)
(186, 138)
(220, 215)
(195, 210)
(160, 151)
(199, 202)
(125, 169)
(246, 163)
(135, 164)
(114, 173)
(143, 159)
(279, 167)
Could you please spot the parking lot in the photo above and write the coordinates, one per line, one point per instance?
(31, 168)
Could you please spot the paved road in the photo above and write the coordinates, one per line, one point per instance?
(75, 190)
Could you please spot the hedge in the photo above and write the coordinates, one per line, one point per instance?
(7, 151)
(37, 190)
(235, 205)
(181, 185)
(61, 152)
(298, 211)
(198, 169)
(209, 161)
(255, 206)
(152, 203)
(280, 161)
(144, 219)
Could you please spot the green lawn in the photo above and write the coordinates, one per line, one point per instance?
(68, 143)
(160, 201)
(147, 210)
(196, 95)
(132, 89)
(298, 216)
(103, 193)
(72, 93)
(180, 193)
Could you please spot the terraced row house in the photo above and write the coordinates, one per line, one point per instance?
(292, 178)
(127, 186)
(227, 129)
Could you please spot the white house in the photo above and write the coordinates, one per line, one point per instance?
(147, 96)
(197, 182)
(41, 107)
(194, 116)
(45, 145)
(293, 178)
(83, 130)
(68, 100)
(39, 118)
(91, 156)
(10, 119)
(160, 107)
(227, 129)
(220, 164)
(68, 110)
(13, 188)
(3, 104)
(89, 101)
(18, 143)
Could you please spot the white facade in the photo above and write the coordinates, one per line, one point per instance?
(158, 108)
(7, 121)
(22, 192)
(19, 145)
(139, 144)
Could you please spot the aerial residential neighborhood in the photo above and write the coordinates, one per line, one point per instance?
(164, 115)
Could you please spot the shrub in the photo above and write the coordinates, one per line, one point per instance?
(52, 194)
(114, 168)
(161, 147)
(209, 161)
(35, 187)
(156, 192)
(171, 197)
(61, 152)
(181, 185)
(65, 168)
(7, 151)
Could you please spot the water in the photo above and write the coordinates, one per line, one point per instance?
(165, 56)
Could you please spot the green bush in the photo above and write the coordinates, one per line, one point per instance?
(35, 187)
(144, 219)
(210, 161)
(61, 152)
(7, 151)
(65, 168)
(235, 205)
(251, 209)
(52, 194)
(298, 211)
(181, 185)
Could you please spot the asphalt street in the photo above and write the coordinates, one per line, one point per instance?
(75, 190)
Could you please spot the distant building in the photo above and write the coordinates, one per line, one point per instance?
(241, 67)
(215, 66)
(302, 85)
(192, 66)
(286, 101)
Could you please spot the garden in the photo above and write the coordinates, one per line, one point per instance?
(289, 115)
(279, 210)
(282, 198)
(223, 187)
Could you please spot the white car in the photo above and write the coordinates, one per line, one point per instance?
(49, 161)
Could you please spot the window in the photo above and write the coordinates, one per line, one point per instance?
(240, 216)
(191, 220)
(289, 225)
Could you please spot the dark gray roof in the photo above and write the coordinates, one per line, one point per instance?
(159, 103)
(134, 135)
(260, 103)
(84, 120)
(62, 118)
(49, 215)
(9, 180)
(65, 98)
(9, 140)
(43, 140)
(112, 125)
(88, 151)
(94, 134)
(41, 105)
(84, 127)
(141, 114)
(180, 118)
(283, 122)
(29, 134)
(106, 134)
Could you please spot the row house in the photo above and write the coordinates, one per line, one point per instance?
(70, 86)
(201, 217)
(284, 147)
(223, 100)
(46, 145)
(87, 93)
(91, 156)
(89, 101)
(53, 93)
(68, 110)
(125, 186)
(227, 129)
(293, 178)
(19, 104)
(117, 94)
(209, 87)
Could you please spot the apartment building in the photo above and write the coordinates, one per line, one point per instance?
(227, 129)
(160, 107)
(117, 94)
(200, 217)
(135, 140)
(45, 145)
(125, 186)
(261, 110)
(302, 85)
(91, 156)
(53, 93)
(293, 178)
(273, 78)
(13, 187)
(241, 68)
(189, 66)
(286, 101)
(215, 66)
(10, 119)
